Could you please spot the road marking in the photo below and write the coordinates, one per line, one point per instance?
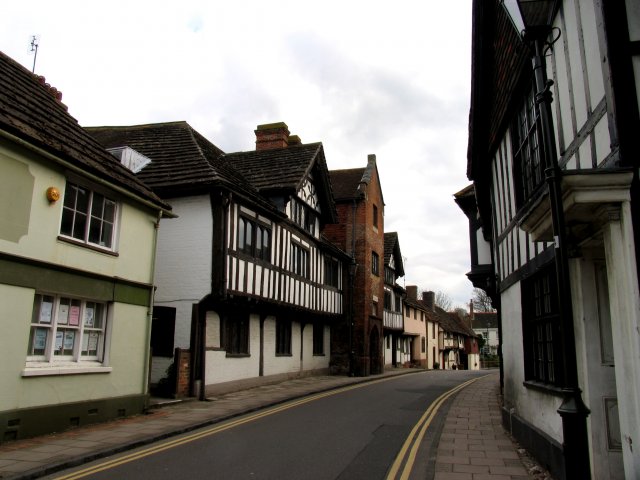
(213, 430)
(409, 450)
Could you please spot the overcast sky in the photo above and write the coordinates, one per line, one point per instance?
(362, 77)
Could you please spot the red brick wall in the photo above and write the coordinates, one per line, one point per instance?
(182, 361)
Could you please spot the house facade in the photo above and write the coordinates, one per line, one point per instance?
(254, 287)
(486, 324)
(77, 241)
(554, 167)
(397, 339)
(421, 329)
(359, 231)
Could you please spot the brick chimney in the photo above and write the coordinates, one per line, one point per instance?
(271, 136)
(412, 292)
(429, 299)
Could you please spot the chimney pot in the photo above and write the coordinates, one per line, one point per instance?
(412, 292)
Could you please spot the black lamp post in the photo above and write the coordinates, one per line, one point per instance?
(533, 19)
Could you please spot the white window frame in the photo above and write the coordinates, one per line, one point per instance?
(91, 219)
(59, 316)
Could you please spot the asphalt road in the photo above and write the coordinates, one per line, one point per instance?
(350, 435)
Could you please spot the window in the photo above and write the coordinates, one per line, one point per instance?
(424, 344)
(375, 216)
(541, 327)
(331, 272)
(526, 144)
(398, 305)
(389, 276)
(387, 300)
(236, 334)
(283, 337)
(88, 216)
(318, 339)
(299, 260)
(303, 216)
(254, 239)
(375, 263)
(433, 330)
(68, 329)
(374, 308)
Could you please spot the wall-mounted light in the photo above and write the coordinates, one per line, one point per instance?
(53, 194)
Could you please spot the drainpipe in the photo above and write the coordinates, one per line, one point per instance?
(147, 354)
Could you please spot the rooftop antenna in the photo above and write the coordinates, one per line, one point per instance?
(35, 41)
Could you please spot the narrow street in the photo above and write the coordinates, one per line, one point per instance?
(355, 433)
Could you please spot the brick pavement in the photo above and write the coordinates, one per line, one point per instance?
(472, 445)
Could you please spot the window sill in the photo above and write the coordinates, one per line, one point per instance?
(284, 355)
(95, 248)
(40, 369)
(543, 387)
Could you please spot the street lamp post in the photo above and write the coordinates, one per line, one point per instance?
(533, 18)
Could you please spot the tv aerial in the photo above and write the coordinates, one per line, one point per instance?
(35, 42)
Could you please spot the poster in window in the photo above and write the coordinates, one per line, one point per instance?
(88, 316)
(59, 339)
(85, 343)
(40, 339)
(46, 309)
(69, 336)
(63, 313)
(93, 343)
(74, 315)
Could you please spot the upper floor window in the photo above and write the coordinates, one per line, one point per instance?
(527, 148)
(303, 216)
(375, 263)
(331, 272)
(387, 300)
(254, 239)
(66, 329)
(389, 276)
(398, 305)
(88, 216)
(375, 216)
(299, 260)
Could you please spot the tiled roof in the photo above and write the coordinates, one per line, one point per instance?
(276, 169)
(345, 183)
(182, 160)
(29, 111)
(485, 320)
(283, 170)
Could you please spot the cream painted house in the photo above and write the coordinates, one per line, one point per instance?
(77, 238)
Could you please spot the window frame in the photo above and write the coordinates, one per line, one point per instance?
(283, 337)
(331, 272)
(318, 339)
(73, 216)
(254, 239)
(541, 328)
(236, 332)
(375, 263)
(85, 318)
(299, 262)
(527, 149)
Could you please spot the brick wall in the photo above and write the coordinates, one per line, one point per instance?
(182, 362)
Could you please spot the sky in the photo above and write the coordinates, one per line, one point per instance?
(362, 77)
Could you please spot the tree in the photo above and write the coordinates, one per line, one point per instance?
(482, 301)
(443, 300)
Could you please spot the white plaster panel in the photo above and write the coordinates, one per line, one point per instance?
(572, 40)
(603, 139)
(592, 48)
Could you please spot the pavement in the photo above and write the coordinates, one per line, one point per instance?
(472, 445)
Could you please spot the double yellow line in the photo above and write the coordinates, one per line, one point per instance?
(209, 431)
(409, 450)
